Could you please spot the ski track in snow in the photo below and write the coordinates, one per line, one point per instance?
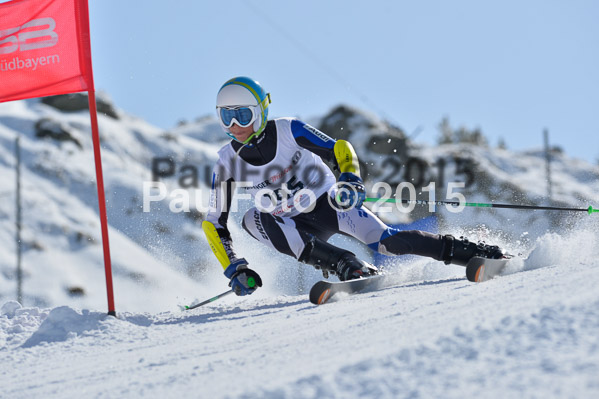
(527, 334)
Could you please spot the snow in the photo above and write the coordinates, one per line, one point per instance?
(531, 333)
(429, 333)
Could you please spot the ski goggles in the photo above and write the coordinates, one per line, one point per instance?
(243, 116)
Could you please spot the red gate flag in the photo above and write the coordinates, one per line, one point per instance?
(44, 48)
(45, 51)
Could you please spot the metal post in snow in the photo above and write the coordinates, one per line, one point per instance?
(18, 223)
(547, 163)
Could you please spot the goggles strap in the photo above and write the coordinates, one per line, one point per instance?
(266, 102)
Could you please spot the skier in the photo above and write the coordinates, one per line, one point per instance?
(299, 206)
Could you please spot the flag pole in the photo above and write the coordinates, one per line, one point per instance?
(86, 62)
(93, 114)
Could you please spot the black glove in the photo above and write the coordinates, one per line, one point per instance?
(244, 281)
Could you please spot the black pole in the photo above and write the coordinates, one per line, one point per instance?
(588, 210)
(19, 224)
(197, 305)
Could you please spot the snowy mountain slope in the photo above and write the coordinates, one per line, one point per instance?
(172, 263)
(528, 334)
(61, 227)
(489, 175)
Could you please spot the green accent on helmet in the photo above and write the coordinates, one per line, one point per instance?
(264, 107)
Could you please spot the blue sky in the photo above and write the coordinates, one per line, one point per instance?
(511, 68)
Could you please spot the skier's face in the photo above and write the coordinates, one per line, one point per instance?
(241, 133)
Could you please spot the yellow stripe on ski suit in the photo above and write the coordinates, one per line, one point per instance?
(346, 157)
(215, 243)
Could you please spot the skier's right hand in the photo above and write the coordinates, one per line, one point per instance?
(351, 191)
(244, 281)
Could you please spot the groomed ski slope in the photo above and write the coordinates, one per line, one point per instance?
(532, 333)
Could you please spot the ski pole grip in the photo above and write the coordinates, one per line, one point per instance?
(591, 210)
(251, 282)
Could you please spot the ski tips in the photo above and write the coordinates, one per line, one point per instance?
(479, 273)
(324, 296)
(472, 273)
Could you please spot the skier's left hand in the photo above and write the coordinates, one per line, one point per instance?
(351, 191)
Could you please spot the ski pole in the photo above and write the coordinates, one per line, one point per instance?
(589, 210)
(197, 305)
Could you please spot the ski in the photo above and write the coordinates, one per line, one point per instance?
(477, 270)
(482, 269)
(322, 291)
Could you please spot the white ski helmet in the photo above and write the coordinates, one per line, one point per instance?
(243, 101)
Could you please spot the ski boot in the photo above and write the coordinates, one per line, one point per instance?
(350, 267)
(460, 251)
(337, 261)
